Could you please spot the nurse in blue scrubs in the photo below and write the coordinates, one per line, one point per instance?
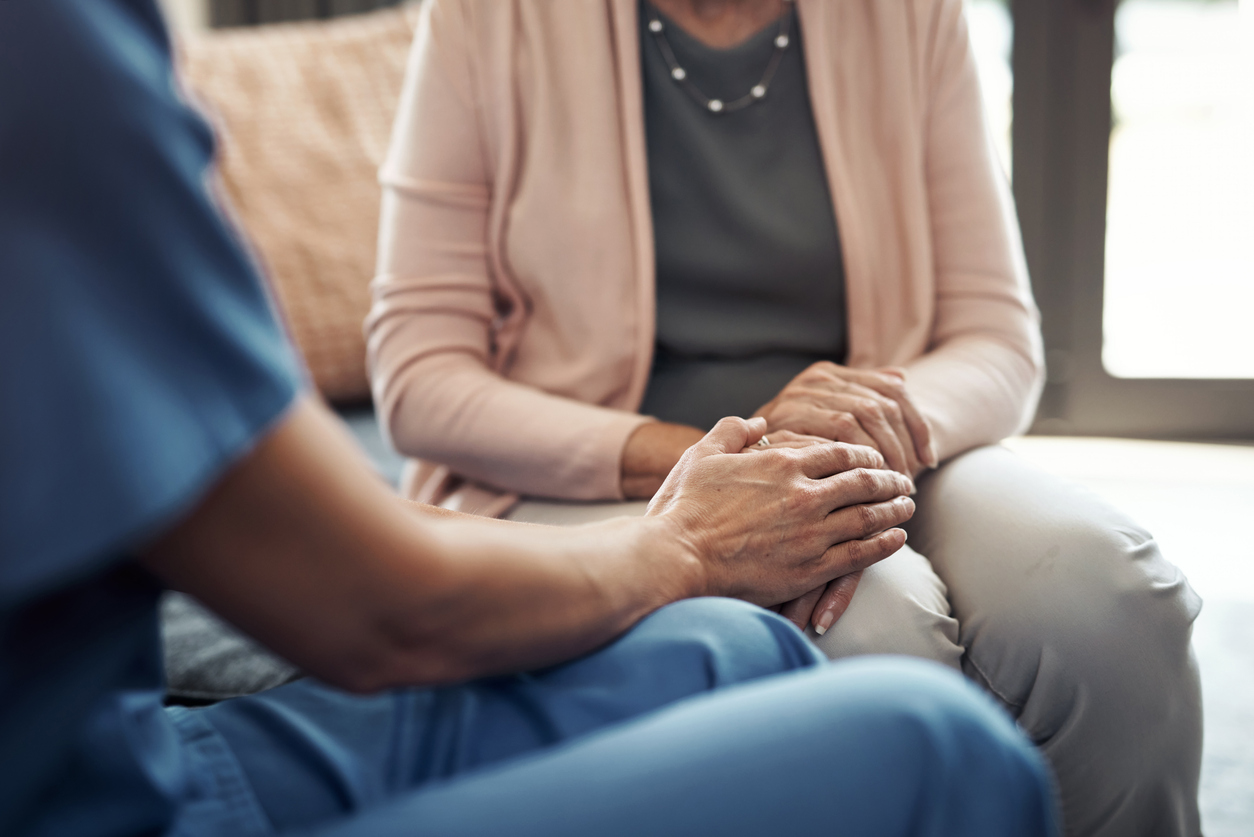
(156, 431)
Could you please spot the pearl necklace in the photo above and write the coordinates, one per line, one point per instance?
(680, 75)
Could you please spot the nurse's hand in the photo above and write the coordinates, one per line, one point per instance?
(826, 603)
(770, 526)
(857, 406)
(406, 594)
(785, 439)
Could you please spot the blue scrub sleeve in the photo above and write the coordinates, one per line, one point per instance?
(139, 351)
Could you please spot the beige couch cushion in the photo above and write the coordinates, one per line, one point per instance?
(304, 112)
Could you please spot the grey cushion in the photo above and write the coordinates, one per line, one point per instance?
(206, 659)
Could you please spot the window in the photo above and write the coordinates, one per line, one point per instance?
(1179, 284)
(1132, 159)
(992, 41)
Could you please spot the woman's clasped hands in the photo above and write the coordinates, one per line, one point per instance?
(858, 406)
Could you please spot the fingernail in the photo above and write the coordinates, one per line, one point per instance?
(825, 622)
(932, 459)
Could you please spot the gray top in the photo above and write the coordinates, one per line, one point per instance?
(750, 279)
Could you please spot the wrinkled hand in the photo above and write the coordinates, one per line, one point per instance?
(823, 605)
(784, 439)
(770, 526)
(857, 406)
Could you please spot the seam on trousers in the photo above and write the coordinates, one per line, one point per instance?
(988, 684)
(230, 806)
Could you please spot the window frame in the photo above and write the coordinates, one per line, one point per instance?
(1063, 57)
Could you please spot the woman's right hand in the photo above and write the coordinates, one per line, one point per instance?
(823, 605)
(770, 526)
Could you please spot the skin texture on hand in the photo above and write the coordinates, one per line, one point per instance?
(652, 452)
(826, 401)
(858, 406)
(823, 605)
(379, 592)
(833, 501)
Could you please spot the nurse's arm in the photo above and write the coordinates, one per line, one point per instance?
(303, 547)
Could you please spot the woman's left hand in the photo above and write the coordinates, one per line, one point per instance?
(858, 406)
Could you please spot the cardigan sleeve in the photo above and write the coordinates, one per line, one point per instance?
(437, 303)
(981, 377)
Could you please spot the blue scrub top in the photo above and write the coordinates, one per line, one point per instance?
(139, 357)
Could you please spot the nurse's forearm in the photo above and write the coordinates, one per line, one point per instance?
(523, 597)
(301, 546)
(650, 454)
(304, 548)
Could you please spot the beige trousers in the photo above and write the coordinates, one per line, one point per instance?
(1058, 605)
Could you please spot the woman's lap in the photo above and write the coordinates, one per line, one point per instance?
(572, 513)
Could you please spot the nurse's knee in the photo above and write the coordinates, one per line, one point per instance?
(943, 741)
(730, 641)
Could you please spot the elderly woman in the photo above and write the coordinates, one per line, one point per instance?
(606, 224)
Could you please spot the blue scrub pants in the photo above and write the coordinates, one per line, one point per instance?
(709, 717)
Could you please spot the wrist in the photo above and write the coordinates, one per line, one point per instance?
(669, 559)
(649, 455)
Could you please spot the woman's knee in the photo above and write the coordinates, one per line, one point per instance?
(1103, 657)
(1126, 643)
(900, 607)
(1149, 600)
(1040, 570)
(1072, 616)
(1108, 603)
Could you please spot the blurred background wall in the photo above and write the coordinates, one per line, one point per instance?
(186, 15)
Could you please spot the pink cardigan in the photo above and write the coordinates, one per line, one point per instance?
(512, 331)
